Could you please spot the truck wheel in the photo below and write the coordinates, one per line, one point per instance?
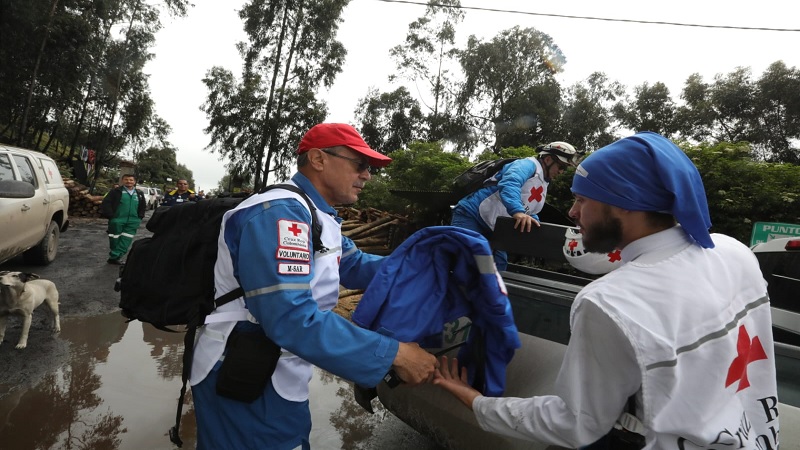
(45, 251)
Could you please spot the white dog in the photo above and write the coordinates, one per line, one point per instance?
(21, 293)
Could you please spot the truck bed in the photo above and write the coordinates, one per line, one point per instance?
(541, 301)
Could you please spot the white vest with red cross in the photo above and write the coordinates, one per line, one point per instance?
(532, 195)
(292, 373)
(700, 324)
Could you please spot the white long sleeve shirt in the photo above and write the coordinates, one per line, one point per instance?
(685, 328)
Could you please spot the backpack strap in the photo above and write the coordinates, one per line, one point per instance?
(316, 235)
(316, 227)
(191, 328)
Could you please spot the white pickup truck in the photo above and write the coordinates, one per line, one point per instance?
(541, 301)
(33, 205)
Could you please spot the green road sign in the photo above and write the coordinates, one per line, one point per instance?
(766, 231)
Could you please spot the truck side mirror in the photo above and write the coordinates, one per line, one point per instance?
(16, 189)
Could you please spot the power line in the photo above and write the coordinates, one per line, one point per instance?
(606, 19)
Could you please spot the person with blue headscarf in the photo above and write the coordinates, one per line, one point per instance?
(673, 348)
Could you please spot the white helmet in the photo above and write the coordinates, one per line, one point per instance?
(566, 153)
(592, 263)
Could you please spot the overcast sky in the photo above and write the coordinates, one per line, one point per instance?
(632, 53)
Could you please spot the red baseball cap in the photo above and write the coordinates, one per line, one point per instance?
(326, 135)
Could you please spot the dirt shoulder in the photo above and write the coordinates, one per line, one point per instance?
(86, 288)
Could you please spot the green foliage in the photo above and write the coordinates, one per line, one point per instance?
(741, 192)
(291, 51)
(735, 108)
(518, 62)
(508, 152)
(74, 76)
(426, 58)
(376, 195)
(155, 165)
(424, 167)
(651, 110)
(587, 120)
(390, 119)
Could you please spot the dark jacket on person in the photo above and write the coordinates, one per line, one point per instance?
(173, 197)
(111, 202)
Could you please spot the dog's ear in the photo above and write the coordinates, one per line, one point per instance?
(27, 276)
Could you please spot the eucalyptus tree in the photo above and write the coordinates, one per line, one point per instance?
(512, 65)
(652, 109)
(35, 71)
(428, 58)
(41, 49)
(77, 72)
(736, 108)
(530, 117)
(722, 110)
(389, 120)
(778, 123)
(156, 164)
(588, 120)
(125, 84)
(291, 51)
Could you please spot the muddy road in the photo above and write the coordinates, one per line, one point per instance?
(86, 288)
(105, 383)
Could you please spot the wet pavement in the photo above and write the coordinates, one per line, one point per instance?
(104, 383)
(120, 390)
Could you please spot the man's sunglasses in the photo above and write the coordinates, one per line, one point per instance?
(361, 165)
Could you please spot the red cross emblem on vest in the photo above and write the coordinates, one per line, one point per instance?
(295, 230)
(536, 194)
(614, 256)
(747, 351)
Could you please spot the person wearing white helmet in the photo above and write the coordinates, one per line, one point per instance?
(672, 350)
(518, 190)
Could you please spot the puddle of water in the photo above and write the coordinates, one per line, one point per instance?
(120, 391)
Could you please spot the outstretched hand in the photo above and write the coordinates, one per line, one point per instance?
(524, 222)
(413, 364)
(448, 377)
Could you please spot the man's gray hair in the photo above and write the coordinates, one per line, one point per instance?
(302, 159)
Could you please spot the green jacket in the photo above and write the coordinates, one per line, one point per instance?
(116, 205)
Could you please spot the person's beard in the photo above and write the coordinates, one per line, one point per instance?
(603, 237)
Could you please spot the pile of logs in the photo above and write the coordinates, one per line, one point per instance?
(348, 300)
(81, 203)
(374, 231)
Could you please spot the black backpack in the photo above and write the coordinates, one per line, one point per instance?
(168, 279)
(478, 175)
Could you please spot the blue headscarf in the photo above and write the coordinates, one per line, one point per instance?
(647, 172)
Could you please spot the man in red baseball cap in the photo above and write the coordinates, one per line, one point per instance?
(336, 160)
(327, 135)
(266, 247)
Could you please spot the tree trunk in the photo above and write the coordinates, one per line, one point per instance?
(23, 127)
(103, 147)
(268, 125)
(273, 139)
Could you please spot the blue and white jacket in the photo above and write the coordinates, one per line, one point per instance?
(521, 187)
(438, 275)
(265, 247)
